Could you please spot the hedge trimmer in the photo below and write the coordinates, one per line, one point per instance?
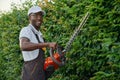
(57, 59)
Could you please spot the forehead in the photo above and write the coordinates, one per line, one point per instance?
(38, 13)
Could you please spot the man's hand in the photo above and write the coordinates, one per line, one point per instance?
(52, 45)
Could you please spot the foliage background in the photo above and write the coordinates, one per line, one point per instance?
(95, 54)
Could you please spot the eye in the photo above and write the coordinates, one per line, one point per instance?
(33, 14)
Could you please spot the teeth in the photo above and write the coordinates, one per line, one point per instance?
(38, 22)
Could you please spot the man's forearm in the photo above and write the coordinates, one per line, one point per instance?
(29, 46)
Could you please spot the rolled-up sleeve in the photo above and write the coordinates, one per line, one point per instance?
(25, 33)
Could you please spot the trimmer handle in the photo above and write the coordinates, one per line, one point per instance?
(62, 58)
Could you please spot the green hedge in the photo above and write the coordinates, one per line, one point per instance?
(95, 53)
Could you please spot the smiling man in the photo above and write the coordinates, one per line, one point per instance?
(32, 44)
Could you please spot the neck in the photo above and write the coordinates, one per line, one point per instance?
(36, 27)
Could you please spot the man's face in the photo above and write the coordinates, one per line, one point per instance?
(36, 19)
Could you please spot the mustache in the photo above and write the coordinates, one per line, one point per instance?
(39, 20)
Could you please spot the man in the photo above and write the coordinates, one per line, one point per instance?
(31, 44)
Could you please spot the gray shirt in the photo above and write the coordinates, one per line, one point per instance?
(28, 33)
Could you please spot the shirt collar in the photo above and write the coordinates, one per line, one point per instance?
(35, 31)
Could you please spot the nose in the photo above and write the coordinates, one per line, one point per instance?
(39, 17)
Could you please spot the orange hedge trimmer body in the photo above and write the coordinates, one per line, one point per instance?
(49, 61)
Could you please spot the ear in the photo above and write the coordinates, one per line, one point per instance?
(29, 17)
